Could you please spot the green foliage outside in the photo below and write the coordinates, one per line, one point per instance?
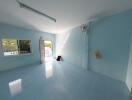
(9, 45)
(12, 45)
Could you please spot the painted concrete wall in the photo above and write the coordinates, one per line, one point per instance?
(72, 46)
(8, 31)
(129, 70)
(110, 35)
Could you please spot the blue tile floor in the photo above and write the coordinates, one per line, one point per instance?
(58, 81)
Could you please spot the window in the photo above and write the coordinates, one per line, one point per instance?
(15, 47)
(10, 47)
(24, 46)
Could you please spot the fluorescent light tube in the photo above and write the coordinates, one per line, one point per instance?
(22, 5)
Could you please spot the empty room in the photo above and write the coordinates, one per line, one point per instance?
(65, 50)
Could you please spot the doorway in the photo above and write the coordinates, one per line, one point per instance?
(48, 48)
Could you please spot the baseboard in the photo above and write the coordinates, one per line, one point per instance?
(130, 95)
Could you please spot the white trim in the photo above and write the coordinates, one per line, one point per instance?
(26, 54)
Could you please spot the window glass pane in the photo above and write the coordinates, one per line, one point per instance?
(10, 47)
(24, 46)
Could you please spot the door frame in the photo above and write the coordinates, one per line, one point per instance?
(42, 49)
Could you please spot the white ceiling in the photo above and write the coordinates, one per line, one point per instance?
(69, 13)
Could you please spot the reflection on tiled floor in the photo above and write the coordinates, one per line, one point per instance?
(15, 87)
(59, 81)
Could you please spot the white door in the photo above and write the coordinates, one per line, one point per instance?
(42, 51)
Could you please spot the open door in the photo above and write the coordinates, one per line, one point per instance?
(42, 51)
(46, 51)
(48, 47)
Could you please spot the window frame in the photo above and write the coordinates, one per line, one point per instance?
(19, 47)
(4, 50)
(19, 54)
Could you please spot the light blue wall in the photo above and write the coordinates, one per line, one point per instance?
(8, 31)
(71, 46)
(110, 35)
(129, 70)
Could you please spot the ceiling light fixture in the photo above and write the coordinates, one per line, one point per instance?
(22, 5)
